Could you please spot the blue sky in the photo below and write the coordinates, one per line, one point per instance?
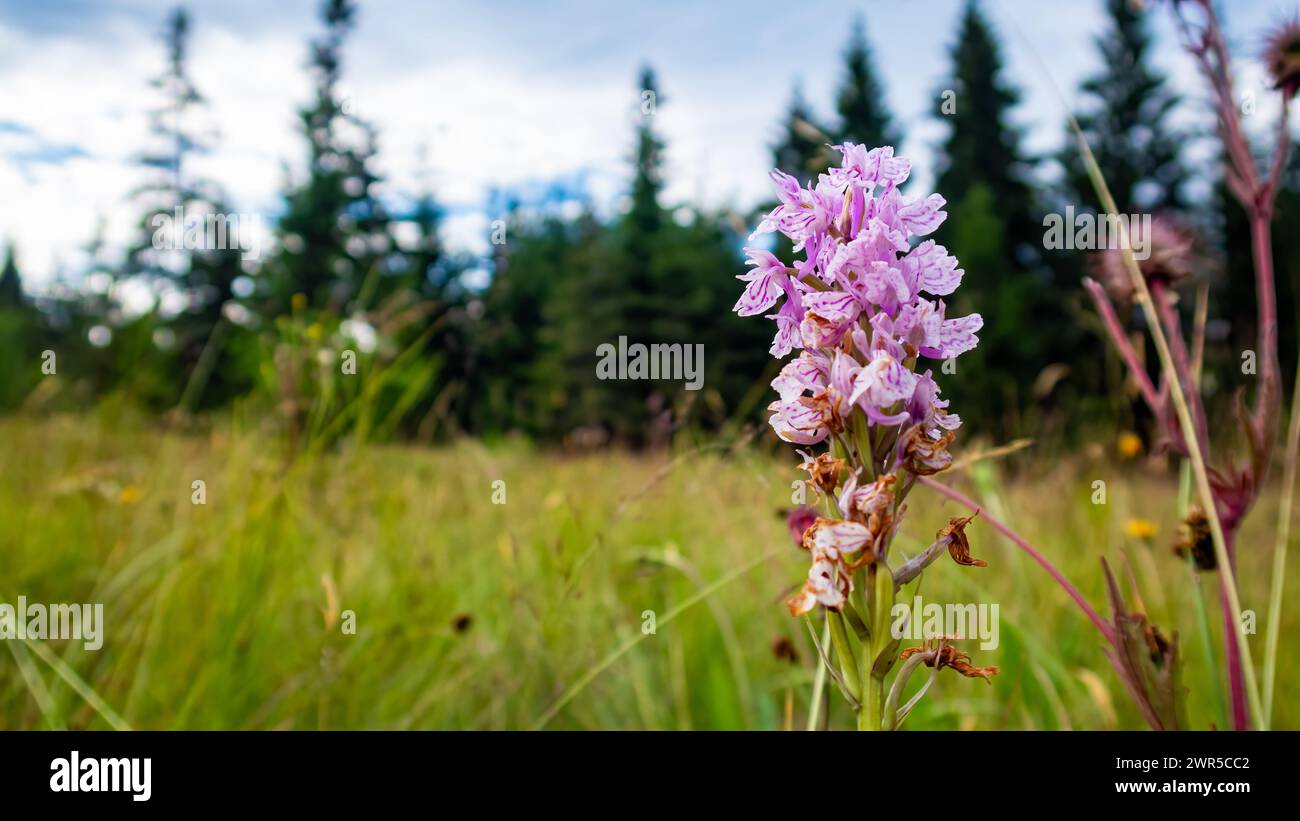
(504, 95)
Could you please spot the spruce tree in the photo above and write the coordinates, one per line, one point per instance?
(1124, 115)
(11, 286)
(982, 147)
(176, 135)
(863, 116)
(535, 357)
(639, 296)
(801, 149)
(435, 276)
(335, 232)
(640, 230)
(20, 332)
(1125, 118)
(994, 230)
(201, 273)
(645, 216)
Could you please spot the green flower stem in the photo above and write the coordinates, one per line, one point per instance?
(844, 652)
(872, 703)
(819, 680)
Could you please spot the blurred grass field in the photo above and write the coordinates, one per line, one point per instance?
(475, 615)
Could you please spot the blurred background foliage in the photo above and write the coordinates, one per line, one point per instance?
(506, 345)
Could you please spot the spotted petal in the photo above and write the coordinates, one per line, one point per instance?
(921, 217)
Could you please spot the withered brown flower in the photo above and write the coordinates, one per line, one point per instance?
(948, 656)
(824, 472)
(923, 454)
(958, 544)
(873, 506)
(1194, 538)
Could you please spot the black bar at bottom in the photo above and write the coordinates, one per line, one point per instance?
(549, 771)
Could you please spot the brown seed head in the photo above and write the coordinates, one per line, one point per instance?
(1282, 57)
(1195, 538)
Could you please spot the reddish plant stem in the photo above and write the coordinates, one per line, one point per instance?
(1232, 652)
(1126, 352)
(1019, 541)
(1257, 197)
(1269, 397)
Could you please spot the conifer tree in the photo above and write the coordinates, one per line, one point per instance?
(188, 243)
(801, 149)
(335, 231)
(1125, 117)
(994, 229)
(640, 297)
(1124, 114)
(863, 115)
(11, 287)
(982, 147)
(19, 328)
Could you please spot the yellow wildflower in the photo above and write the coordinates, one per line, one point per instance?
(1130, 445)
(1140, 529)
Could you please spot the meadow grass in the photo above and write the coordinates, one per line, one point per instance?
(470, 614)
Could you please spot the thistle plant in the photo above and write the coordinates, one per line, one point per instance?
(1227, 488)
(863, 303)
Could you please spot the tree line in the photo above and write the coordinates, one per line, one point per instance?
(440, 352)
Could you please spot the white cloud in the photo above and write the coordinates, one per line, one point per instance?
(502, 94)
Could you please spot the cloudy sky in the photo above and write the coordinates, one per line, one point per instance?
(505, 94)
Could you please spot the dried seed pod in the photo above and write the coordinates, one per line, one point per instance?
(1195, 538)
(1282, 57)
(959, 545)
